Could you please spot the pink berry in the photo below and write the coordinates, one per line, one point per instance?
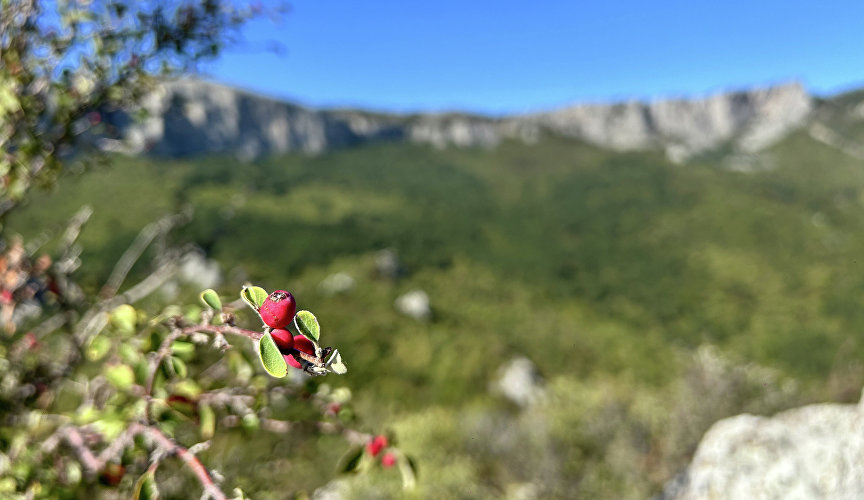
(304, 345)
(377, 444)
(278, 309)
(284, 340)
(388, 460)
(292, 362)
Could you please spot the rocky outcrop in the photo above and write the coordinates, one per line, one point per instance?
(750, 121)
(193, 117)
(807, 453)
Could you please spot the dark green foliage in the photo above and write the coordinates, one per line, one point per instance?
(695, 253)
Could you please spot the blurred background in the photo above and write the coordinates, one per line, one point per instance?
(554, 243)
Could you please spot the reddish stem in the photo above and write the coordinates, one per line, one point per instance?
(94, 464)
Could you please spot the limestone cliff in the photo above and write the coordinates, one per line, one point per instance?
(193, 117)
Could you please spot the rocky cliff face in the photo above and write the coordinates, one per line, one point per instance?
(193, 117)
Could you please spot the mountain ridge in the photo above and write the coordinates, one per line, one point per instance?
(189, 117)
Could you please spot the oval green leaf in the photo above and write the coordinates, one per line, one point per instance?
(97, 348)
(120, 376)
(408, 469)
(179, 367)
(185, 350)
(207, 419)
(350, 460)
(211, 298)
(272, 360)
(145, 487)
(307, 325)
(254, 296)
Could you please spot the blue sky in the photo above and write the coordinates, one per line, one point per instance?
(515, 56)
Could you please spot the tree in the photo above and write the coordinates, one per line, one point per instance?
(61, 62)
(95, 387)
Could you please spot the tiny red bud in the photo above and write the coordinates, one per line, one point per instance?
(30, 341)
(388, 460)
(377, 444)
(112, 474)
(278, 309)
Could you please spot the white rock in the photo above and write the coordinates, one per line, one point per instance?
(414, 304)
(520, 382)
(387, 263)
(811, 452)
(196, 269)
(336, 283)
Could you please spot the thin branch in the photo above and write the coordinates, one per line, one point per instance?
(94, 319)
(136, 249)
(165, 351)
(50, 324)
(170, 447)
(93, 464)
(73, 229)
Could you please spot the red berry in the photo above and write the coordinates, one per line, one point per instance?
(284, 340)
(377, 444)
(278, 309)
(388, 460)
(292, 362)
(304, 345)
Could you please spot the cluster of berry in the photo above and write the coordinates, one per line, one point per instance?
(376, 445)
(278, 312)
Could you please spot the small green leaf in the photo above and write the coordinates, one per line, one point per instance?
(211, 298)
(409, 472)
(97, 348)
(350, 460)
(183, 349)
(120, 376)
(131, 356)
(254, 296)
(271, 358)
(188, 388)
(179, 367)
(207, 418)
(335, 363)
(145, 487)
(251, 422)
(124, 318)
(307, 324)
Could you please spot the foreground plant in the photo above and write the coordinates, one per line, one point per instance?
(122, 424)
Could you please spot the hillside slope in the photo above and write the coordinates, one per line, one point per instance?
(654, 297)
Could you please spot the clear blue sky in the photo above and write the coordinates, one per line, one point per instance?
(513, 56)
